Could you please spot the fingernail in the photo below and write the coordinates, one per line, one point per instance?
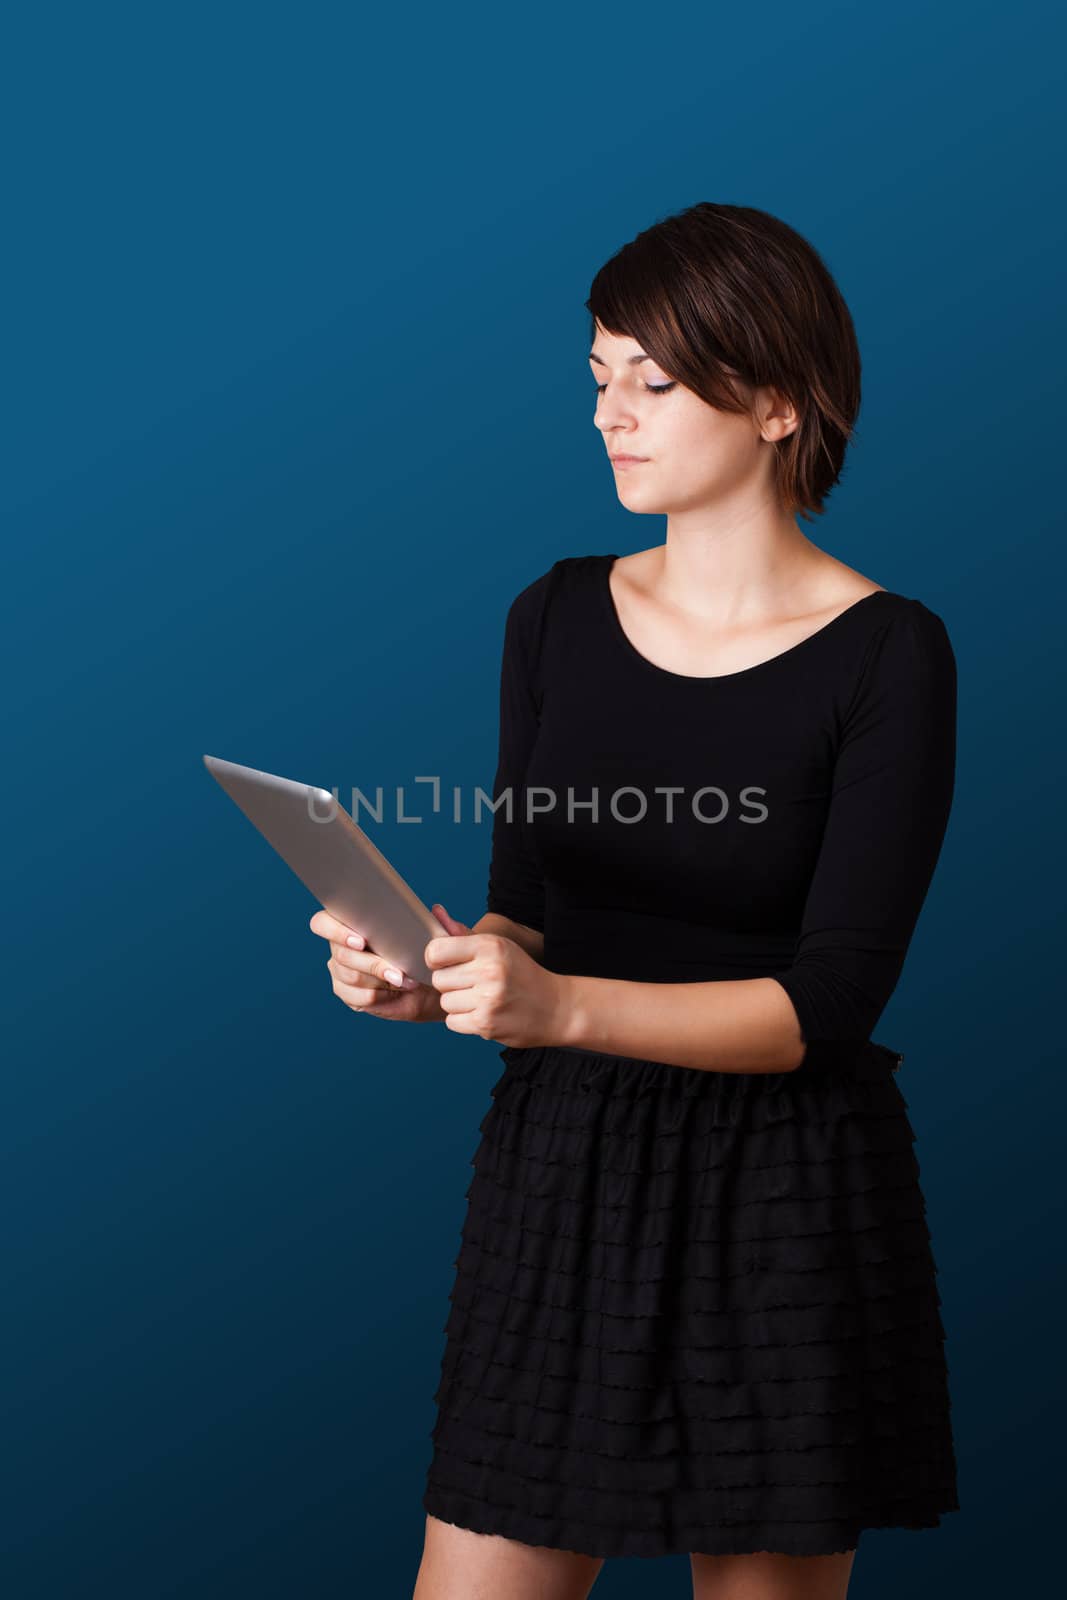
(356, 940)
(410, 983)
(394, 976)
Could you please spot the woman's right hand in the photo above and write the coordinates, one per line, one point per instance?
(359, 974)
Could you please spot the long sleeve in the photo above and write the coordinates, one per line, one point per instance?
(516, 888)
(891, 796)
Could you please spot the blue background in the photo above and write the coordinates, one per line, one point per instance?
(298, 402)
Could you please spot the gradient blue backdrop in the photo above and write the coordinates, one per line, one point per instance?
(298, 401)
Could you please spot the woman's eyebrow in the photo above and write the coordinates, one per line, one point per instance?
(631, 361)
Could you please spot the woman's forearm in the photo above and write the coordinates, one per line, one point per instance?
(743, 1025)
(528, 938)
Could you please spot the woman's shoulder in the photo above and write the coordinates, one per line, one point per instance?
(528, 614)
(532, 600)
(904, 616)
(905, 653)
(896, 623)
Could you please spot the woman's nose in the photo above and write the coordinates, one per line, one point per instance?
(609, 413)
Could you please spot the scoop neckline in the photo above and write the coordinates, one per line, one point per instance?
(608, 562)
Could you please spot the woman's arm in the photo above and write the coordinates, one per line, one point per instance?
(529, 939)
(515, 897)
(891, 797)
(745, 1025)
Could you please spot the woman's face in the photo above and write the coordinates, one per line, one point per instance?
(692, 455)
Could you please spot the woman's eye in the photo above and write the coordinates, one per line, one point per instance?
(652, 388)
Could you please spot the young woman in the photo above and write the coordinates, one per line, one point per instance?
(695, 1305)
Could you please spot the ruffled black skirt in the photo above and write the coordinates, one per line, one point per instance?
(693, 1312)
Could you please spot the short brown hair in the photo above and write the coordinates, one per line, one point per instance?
(717, 291)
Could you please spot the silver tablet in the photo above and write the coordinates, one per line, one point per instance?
(334, 858)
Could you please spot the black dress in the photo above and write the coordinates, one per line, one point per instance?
(697, 1311)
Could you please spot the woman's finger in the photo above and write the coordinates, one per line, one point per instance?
(355, 960)
(458, 1000)
(362, 978)
(360, 997)
(457, 977)
(365, 999)
(367, 961)
(328, 927)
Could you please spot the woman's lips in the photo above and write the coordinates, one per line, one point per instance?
(628, 461)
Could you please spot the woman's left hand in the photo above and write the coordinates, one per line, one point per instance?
(488, 985)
